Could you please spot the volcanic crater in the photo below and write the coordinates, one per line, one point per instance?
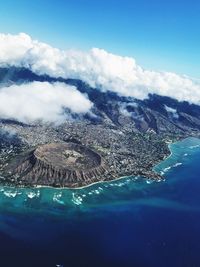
(58, 165)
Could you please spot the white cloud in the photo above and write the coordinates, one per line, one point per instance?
(123, 108)
(13, 48)
(172, 111)
(98, 68)
(41, 101)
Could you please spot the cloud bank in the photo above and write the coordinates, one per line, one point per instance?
(41, 101)
(96, 67)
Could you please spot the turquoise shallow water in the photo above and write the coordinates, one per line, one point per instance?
(128, 222)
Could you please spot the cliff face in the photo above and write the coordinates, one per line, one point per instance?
(60, 165)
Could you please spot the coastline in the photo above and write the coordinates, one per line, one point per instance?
(108, 181)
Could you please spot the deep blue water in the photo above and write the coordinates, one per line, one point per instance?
(129, 222)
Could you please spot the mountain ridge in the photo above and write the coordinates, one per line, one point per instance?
(131, 135)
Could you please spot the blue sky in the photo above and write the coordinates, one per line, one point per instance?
(160, 35)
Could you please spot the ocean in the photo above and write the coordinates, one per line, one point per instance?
(129, 222)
